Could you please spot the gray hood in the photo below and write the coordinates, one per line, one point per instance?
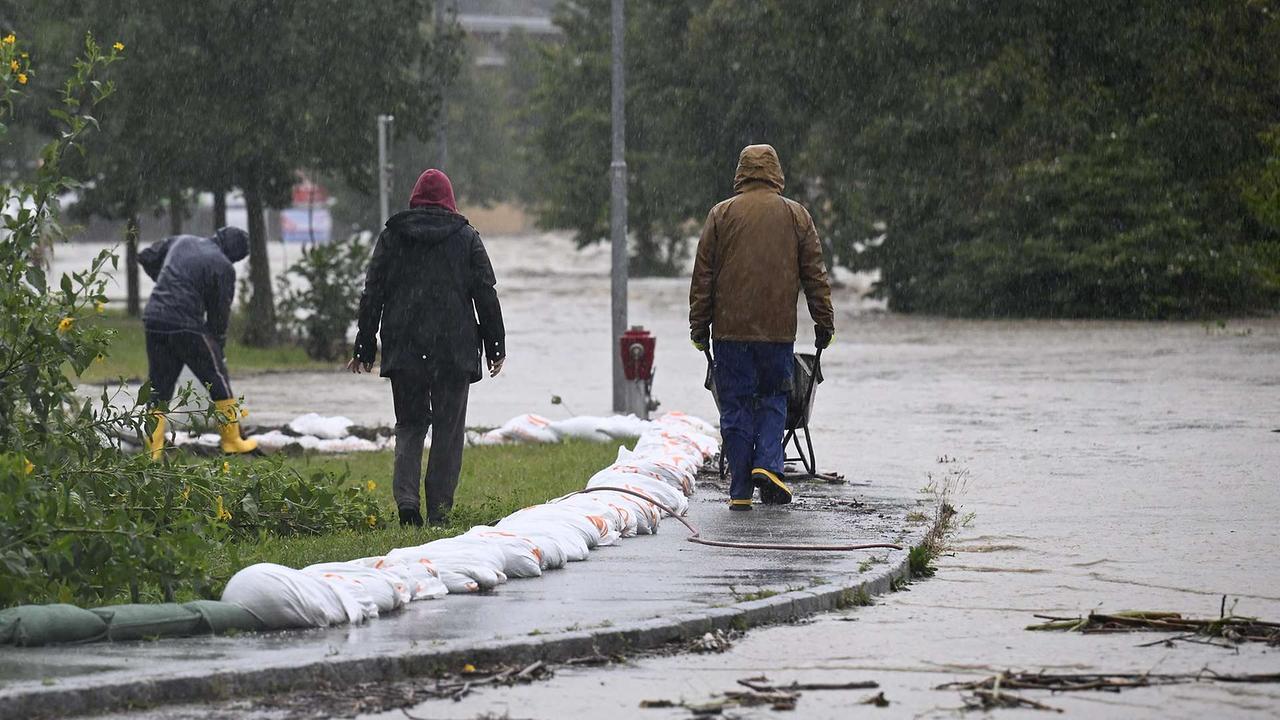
(233, 242)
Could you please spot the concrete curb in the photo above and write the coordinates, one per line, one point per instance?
(416, 661)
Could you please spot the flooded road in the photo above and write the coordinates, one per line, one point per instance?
(1105, 465)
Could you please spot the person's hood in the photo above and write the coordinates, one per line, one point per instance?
(758, 163)
(233, 242)
(431, 224)
(433, 189)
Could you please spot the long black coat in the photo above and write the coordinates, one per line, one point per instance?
(430, 286)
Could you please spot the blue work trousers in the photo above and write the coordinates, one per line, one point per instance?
(752, 381)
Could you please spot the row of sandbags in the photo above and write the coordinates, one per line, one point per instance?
(326, 434)
(524, 544)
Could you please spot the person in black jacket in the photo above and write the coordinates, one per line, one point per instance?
(428, 283)
(186, 324)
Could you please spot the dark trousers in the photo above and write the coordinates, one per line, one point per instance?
(752, 381)
(425, 400)
(169, 350)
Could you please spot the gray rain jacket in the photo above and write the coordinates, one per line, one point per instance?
(195, 281)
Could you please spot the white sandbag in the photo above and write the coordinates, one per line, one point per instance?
(624, 426)
(583, 427)
(644, 514)
(282, 597)
(596, 530)
(481, 562)
(454, 581)
(325, 428)
(619, 516)
(347, 444)
(521, 556)
(653, 488)
(528, 428)
(275, 440)
(668, 469)
(181, 437)
(677, 419)
(559, 542)
(422, 578)
(390, 592)
(600, 429)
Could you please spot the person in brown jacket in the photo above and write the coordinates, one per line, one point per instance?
(758, 250)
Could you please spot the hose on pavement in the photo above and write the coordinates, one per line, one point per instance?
(695, 535)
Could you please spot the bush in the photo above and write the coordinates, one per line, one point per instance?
(80, 518)
(1103, 232)
(319, 311)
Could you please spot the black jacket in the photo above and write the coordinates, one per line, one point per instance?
(195, 281)
(429, 281)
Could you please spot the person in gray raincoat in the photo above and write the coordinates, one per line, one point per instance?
(186, 322)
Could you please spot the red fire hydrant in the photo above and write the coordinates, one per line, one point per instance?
(636, 346)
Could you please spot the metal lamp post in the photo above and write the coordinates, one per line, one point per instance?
(618, 210)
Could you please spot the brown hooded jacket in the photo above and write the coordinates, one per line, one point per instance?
(757, 252)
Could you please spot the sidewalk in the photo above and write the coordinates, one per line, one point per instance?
(640, 593)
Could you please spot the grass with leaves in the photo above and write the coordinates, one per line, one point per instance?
(127, 354)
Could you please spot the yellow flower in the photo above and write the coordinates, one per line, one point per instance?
(226, 467)
(65, 323)
(27, 467)
(118, 46)
(370, 485)
(10, 39)
(22, 78)
(99, 307)
(468, 668)
(221, 511)
(14, 66)
(372, 520)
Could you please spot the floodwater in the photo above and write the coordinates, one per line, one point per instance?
(1100, 465)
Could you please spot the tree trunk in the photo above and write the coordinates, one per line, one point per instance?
(260, 325)
(219, 209)
(133, 301)
(177, 208)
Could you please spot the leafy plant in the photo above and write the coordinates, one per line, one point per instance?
(319, 310)
(80, 518)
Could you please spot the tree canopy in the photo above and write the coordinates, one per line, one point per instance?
(246, 93)
(1030, 158)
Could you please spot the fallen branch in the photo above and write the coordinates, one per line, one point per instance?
(1111, 682)
(1232, 628)
(761, 684)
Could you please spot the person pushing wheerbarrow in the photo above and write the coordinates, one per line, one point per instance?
(430, 287)
(757, 252)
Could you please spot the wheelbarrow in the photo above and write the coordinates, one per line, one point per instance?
(805, 378)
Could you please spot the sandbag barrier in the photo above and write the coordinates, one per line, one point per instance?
(658, 475)
(322, 434)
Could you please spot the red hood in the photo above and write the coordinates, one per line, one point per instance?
(433, 188)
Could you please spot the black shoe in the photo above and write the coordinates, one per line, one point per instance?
(772, 490)
(410, 517)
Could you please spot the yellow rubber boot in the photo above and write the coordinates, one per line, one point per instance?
(229, 428)
(154, 442)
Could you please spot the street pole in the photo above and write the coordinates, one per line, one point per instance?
(442, 126)
(618, 210)
(384, 169)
